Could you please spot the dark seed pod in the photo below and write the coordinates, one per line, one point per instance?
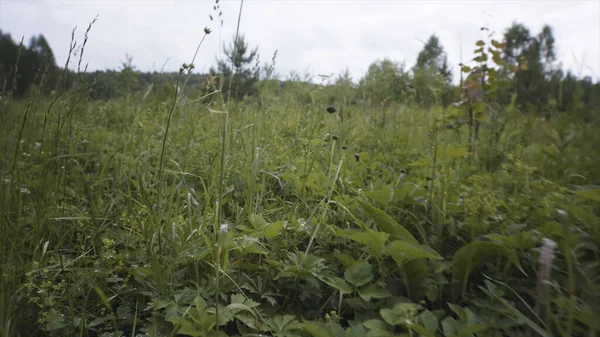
(428, 178)
(357, 156)
(335, 137)
(403, 171)
(344, 147)
(331, 109)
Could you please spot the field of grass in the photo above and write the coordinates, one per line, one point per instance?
(277, 217)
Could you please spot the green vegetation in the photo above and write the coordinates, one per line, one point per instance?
(399, 206)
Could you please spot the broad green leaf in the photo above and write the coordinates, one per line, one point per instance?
(470, 256)
(359, 274)
(449, 326)
(317, 329)
(274, 229)
(425, 161)
(402, 251)
(338, 283)
(345, 259)
(399, 313)
(387, 224)
(381, 333)
(283, 323)
(375, 324)
(472, 329)
(421, 330)
(430, 321)
(589, 318)
(381, 196)
(591, 194)
(373, 239)
(373, 291)
(357, 330)
(452, 152)
(458, 310)
(516, 312)
(123, 312)
(257, 221)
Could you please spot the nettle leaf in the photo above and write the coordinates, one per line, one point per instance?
(283, 323)
(250, 245)
(373, 291)
(274, 229)
(402, 252)
(338, 284)
(430, 321)
(590, 194)
(381, 196)
(359, 274)
(400, 313)
(421, 330)
(449, 326)
(372, 239)
(387, 224)
(317, 329)
(470, 256)
(257, 221)
(345, 259)
(375, 324)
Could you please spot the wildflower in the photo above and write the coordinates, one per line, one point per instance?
(223, 229)
(545, 266)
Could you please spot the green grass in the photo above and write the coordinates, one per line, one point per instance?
(357, 225)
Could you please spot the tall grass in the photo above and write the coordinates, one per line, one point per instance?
(274, 216)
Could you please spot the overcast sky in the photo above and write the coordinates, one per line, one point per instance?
(317, 36)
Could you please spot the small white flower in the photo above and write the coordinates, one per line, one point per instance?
(223, 229)
(547, 255)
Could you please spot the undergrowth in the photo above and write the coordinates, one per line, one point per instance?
(280, 217)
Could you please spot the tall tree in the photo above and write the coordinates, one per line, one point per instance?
(533, 57)
(44, 61)
(245, 74)
(8, 57)
(432, 56)
(385, 79)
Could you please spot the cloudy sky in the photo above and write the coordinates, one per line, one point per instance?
(315, 36)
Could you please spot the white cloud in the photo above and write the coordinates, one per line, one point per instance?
(323, 36)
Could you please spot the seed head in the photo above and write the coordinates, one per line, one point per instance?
(344, 147)
(335, 137)
(357, 156)
(207, 30)
(331, 109)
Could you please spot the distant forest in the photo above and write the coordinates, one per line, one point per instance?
(536, 81)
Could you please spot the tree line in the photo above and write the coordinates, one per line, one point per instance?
(534, 79)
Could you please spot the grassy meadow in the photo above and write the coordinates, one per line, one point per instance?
(171, 215)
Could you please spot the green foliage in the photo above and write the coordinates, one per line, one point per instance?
(238, 62)
(279, 217)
